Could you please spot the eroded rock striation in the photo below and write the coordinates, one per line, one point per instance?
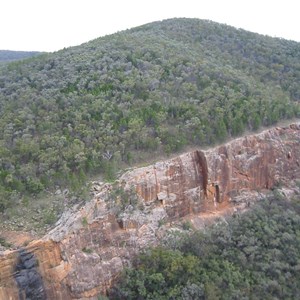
(90, 245)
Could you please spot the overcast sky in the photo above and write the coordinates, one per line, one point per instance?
(50, 25)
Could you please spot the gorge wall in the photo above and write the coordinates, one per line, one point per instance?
(90, 245)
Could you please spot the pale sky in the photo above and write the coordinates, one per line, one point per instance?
(50, 25)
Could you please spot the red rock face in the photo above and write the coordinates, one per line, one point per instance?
(88, 248)
(209, 180)
(255, 162)
(179, 185)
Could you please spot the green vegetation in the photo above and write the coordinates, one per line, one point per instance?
(101, 297)
(4, 243)
(134, 95)
(84, 221)
(119, 200)
(87, 250)
(255, 255)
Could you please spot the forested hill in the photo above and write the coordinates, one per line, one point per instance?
(150, 90)
(8, 55)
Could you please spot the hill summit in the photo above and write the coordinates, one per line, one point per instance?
(135, 95)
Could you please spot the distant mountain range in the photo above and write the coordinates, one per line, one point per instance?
(8, 55)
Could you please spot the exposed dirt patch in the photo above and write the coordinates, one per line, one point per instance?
(17, 238)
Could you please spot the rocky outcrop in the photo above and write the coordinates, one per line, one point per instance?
(255, 163)
(90, 245)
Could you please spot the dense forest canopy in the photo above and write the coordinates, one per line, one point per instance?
(145, 91)
(255, 255)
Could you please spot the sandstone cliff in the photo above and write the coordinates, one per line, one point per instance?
(90, 245)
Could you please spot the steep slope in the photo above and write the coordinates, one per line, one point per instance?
(90, 245)
(139, 93)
